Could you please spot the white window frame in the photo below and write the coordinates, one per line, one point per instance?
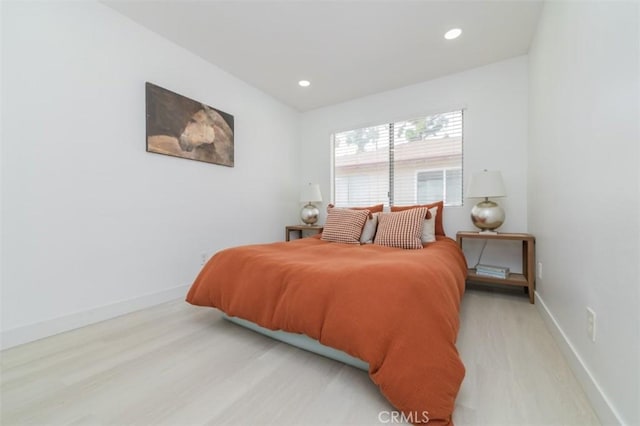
(387, 201)
(444, 184)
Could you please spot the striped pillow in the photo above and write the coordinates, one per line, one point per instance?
(344, 225)
(401, 229)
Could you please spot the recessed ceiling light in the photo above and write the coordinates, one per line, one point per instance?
(453, 33)
(304, 83)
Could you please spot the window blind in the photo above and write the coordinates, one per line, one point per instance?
(404, 162)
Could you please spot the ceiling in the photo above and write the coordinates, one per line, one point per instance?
(347, 49)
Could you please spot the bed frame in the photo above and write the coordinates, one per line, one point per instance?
(303, 342)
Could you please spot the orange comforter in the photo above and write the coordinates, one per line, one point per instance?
(395, 309)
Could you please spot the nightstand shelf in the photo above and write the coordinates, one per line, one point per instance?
(514, 279)
(526, 279)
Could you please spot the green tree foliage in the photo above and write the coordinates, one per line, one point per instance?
(375, 137)
(421, 129)
(365, 136)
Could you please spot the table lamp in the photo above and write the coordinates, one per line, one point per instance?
(310, 194)
(486, 215)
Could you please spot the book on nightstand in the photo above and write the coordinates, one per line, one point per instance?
(492, 271)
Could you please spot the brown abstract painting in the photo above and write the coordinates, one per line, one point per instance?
(182, 127)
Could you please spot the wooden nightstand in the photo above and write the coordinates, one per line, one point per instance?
(526, 279)
(300, 229)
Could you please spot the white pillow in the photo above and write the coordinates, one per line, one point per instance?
(369, 230)
(429, 228)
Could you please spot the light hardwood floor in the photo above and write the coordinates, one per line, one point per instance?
(176, 364)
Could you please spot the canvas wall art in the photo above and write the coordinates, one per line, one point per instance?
(182, 127)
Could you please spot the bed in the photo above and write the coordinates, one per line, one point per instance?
(394, 311)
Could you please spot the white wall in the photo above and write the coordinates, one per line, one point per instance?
(584, 192)
(494, 98)
(92, 225)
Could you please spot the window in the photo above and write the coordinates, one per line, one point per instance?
(439, 185)
(406, 162)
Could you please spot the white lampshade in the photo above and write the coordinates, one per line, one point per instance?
(486, 184)
(310, 193)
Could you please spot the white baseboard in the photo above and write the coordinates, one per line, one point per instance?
(599, 400)
(29, 333)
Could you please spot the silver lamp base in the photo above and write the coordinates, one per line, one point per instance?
(487, 215)
(309, 214)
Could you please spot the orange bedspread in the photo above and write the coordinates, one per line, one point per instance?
(395, 309)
